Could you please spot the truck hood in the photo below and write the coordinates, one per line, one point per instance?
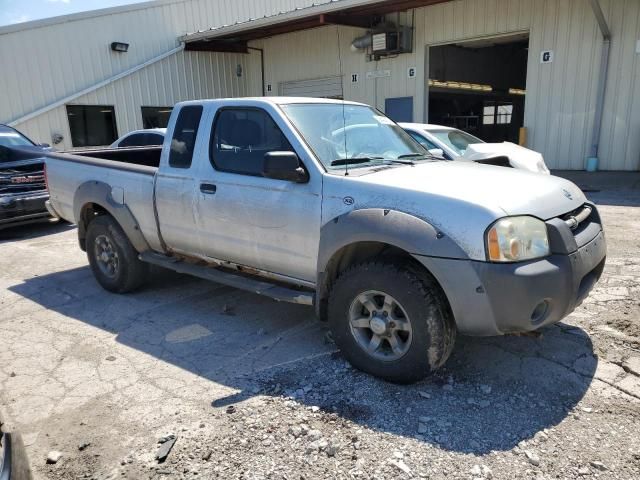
(503, 191)
(519, 157)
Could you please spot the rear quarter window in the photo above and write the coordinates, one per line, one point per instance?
(184, 136)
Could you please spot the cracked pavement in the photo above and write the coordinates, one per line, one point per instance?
(80, 365)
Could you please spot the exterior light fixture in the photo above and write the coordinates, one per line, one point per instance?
(238, 70)
(120, 47)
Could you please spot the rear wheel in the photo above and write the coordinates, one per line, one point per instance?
(391, 321)
(113, 259)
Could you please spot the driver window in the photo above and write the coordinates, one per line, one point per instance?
(241, 137)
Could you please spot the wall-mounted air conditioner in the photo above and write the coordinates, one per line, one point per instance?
(392, 42)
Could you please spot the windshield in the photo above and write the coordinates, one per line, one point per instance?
(10, 138)
(457, 140)
(355, 135)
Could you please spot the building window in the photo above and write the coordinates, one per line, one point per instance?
(155, 117)
(497, 113)
(488, 115)
(504, 113)
(92, 125)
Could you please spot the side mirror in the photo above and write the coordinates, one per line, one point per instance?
(437, 152)
(45, 145)
(283, 166)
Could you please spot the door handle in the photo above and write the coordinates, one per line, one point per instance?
(208, 188)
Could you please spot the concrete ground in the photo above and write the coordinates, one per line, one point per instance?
(253, 389)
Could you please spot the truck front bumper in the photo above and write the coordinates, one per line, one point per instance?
(22, 208)
(494, 299)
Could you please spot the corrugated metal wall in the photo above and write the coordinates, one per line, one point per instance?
(183, 76)
(560, 100)
(53, 59)
(48, 60)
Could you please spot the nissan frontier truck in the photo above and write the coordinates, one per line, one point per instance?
(331, 204)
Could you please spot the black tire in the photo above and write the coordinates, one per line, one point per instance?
(128, 271)
(433, 330)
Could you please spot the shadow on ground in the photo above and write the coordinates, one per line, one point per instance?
(492, 394)
(34, 230)
(607, 188)
(621, 198)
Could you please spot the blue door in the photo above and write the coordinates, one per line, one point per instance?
(399, 109)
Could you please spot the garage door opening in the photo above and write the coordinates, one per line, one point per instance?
(479, 86)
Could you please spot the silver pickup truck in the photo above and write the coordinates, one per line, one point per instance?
(331, 204)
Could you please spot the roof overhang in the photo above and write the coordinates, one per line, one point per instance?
(354, 13)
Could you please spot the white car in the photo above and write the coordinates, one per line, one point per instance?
(453, 144)
(141, 138)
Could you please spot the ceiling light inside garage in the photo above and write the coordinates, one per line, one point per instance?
(517, 91)
(460, 85)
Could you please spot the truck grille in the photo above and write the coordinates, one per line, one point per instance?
(27, 178)
(577, 217)
(584, 223)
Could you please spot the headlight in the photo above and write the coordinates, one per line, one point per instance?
(514, 239)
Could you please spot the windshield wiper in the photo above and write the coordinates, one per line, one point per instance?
(400, 161)
(419, 156)
(353, 161)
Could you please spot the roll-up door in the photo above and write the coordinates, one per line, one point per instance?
(327, 87)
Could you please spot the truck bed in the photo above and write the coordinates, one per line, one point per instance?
(144, 156)
(128, 172)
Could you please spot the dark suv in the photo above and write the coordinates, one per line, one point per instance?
(23, 189)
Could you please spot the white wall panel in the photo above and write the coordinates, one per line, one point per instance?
(199, 78)
(561, 96)
(48, 60)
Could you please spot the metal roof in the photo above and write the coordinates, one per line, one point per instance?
(72, 17)
(356, 13)
(269, 20)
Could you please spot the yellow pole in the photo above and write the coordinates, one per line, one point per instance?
(522, 137)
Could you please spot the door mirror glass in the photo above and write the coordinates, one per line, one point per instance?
(437, 152)
(283, 166)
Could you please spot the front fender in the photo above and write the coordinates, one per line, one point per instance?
(102, 194)
(391, 227)
(395, 228)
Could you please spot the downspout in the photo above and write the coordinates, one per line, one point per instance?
(261, 50)
(592, 161)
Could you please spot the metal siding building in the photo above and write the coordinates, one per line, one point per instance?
(49, 62)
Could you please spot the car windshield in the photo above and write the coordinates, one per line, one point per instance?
(457, 140)
(11, 138)
(355, 135)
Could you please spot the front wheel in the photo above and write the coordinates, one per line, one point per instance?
(390, 321)
(113, 259)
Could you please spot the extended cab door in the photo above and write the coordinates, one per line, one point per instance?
(265, 223)
(177, 182)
